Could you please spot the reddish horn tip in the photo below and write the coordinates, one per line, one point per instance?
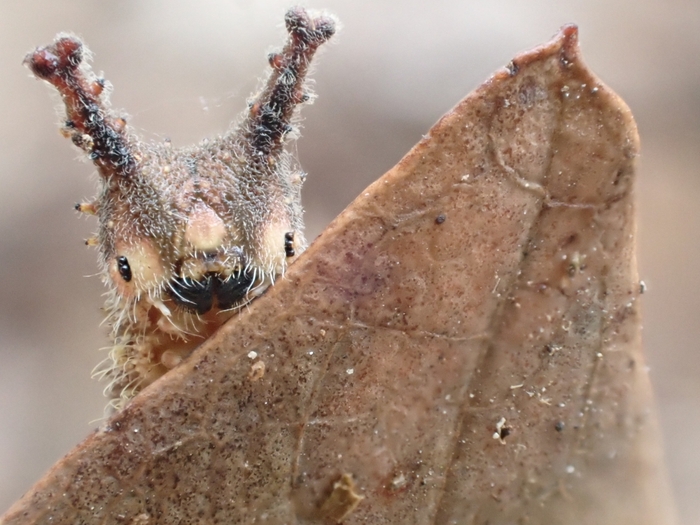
(63, 56)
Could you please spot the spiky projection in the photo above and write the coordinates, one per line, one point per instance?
(186, 236)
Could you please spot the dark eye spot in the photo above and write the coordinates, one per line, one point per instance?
(124, 268)
(289, 244)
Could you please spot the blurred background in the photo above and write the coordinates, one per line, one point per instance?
(184, 69)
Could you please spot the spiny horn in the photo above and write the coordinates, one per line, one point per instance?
(269, 117)
(89, 122)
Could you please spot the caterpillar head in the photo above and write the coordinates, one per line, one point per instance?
(186, 236)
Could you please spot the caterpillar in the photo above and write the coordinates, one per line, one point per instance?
(186, 237)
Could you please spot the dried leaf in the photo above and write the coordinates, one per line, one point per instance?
(460, 346)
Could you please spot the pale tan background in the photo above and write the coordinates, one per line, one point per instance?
(183, 70)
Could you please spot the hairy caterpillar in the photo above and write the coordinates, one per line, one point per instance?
(186, 236)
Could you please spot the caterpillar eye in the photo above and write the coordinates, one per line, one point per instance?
(289, 244)
(124, 268)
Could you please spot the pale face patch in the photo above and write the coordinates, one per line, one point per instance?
(205, 230)
(136, 268)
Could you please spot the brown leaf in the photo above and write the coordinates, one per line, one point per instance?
(460, 346)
